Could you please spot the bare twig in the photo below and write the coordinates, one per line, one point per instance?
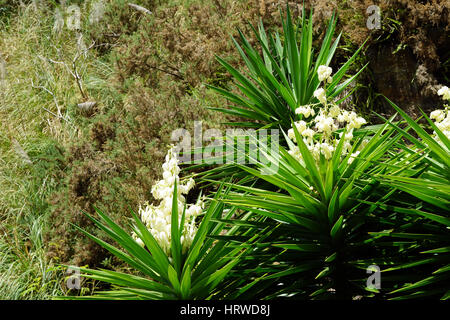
(166, 71)
(75, 72)
(57, 62)
(140, 8)
(51, 93)
(59, 115)
(175, 71)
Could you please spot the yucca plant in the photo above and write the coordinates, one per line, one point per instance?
(423, 203)
(312, 226)
(195, 274)
(325, 220)
(320, 246)
(284, 76)
(280, 79)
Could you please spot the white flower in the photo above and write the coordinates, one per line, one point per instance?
(347, 147)
(444, 92)
(324, 73)
(447, 133)
(349, 135)
(320, 94)
(364, 143)
(184, 189)
(295, 152)
(443, 125)
(360, 121)
(137, 239)
(291, 134)
(308, 133)
(325, 125)
(343, 117)
(334, 111)
(438, 115)
(158, 219)
(354, 121)
(352, 157)
(442, 121)
(315, 150)
(306, 111)
(319, 138)
(194, 210)
(300, 125)
(327, 150)
(188, 236)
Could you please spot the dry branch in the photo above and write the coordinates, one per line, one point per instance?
(139, 8)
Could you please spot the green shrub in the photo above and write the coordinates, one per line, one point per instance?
(284, 77)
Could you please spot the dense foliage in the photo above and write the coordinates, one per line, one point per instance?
(87, 113)
(342, 200)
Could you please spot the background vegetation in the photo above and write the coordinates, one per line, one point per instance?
(146, 74)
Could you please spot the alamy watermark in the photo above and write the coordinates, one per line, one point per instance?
(70, 17)
(374, 280)
(238, 146)
(374, 18)
(73, 281)
(3, 72)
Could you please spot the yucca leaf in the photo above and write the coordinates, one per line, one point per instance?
(310, 163)
(431, 143)
(143, 267)
(153, 246)
(175, 244)
(186, 283)
(123, 279)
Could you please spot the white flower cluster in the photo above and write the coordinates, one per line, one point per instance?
(318, 131)
(442, 117)
(444, 92)
(324, 74)
(158, 218)
(320, 94)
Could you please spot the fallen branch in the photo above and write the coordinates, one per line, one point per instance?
(73, 71)
(139, 8)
